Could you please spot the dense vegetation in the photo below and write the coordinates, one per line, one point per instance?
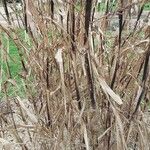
(75, 75)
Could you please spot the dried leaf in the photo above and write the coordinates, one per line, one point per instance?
(109, 91)
(86, 137)
(32, 117)
(58, 56)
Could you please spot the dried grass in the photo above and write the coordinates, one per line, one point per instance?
(84, 86)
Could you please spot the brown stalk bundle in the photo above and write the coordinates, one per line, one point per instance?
(85, 85)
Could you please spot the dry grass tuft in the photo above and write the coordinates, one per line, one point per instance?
(84, 77)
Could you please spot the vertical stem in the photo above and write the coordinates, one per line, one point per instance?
(109, 120)
(25, 15)
(52, 9)
(73, 53)
(4, 2)
(88, 11)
